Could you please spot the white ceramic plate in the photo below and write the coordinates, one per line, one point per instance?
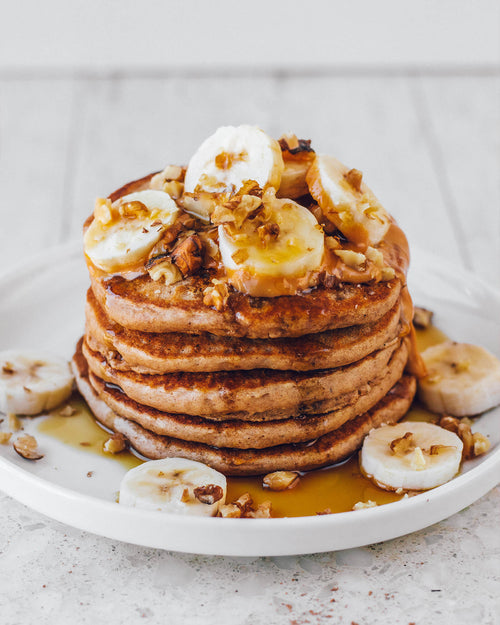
(42, 306)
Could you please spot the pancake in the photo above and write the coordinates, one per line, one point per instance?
(222, 392)
(169, 352)
(142, 304)
(243, 434)
(328, 449)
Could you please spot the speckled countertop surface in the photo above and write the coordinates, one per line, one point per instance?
(446, 574)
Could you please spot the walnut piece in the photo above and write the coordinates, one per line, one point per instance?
(115, 444)
(481, 444)
(354, 178)
(14, 422)
(209, 494)
(462, 429)
(422, 318)
(281, 480)
(402, 445)
(230, 511)
(27, 447)
(216, 295)
(102, 210)
(268, 232)
(161, 267)
(67, 411)
(417, 461)
(133, 210)
(243, 508)
(188, 255)
(5, 437)
(362, 505)
(263, 511)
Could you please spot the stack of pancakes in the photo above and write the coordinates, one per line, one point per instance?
(291, 382)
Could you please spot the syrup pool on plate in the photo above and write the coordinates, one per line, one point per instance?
(337, 488)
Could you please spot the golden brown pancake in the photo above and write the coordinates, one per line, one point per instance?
(151, 352)
(205, 394)
(328, 449)
(142, 304)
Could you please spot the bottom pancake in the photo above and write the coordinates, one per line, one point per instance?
(325, 450)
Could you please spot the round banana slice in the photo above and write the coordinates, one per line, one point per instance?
(32, 382)
(411, 456)
(174, 485)
(122, 235)
(230, 157)
(462, 379)
(347, 201)
(289, 245)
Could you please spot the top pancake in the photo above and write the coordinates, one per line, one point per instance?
(148, 306)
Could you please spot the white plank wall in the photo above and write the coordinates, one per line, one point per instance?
(429, 145)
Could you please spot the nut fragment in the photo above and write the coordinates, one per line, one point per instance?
(67, 411)
(209, 494)
(133, 210)
(354, 178)
(216, 295)
(268, 232)
(461, 428)
(325, 511)
(27, 447)
(281, 480)
(417, 461)
(188, 255)
(115, 444)
(480, 444)
(352, 259)
(362, 505)
(422, 318)
(5, 437)
(230, 511)
(290, 143)
(402, 445)
(14, 422)
(161, 268)
(263, 511)
(102, 210)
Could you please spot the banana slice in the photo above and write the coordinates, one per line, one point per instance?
(347, 201)
(411, 456)
(174, 485)
(123, 234)
(230, 157)
(462, 379)
(32, 382)
(289, 245)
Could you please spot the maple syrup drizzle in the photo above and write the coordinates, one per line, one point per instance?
(336, 488)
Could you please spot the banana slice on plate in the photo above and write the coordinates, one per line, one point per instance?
(462, 379)
(174, 485)
(347, 201)
(122, 234)
(288, 245)
(230, 157)
(32, 382)
(411, 456)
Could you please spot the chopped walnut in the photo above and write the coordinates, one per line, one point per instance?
(263, 511)
(481, 444)
(27, 447)
(462, 429)
(422, 318)
(115, 444)
(173, 188)
(352, 259)
(188, 255)
(8, 369)
(268, 232)
(402, 445)
(14, 422)
(161, 267)
(230, 511)
(290, 143)
(281, 480)
(354, 178)
(209, 494)
(245, 503)
(216, 295)
(5, 437)
(325, 511)
(102, 210)
(67, 411)
(170, 173)
(435, 450)
(133, 210)
(362, 505)
(240, 256)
